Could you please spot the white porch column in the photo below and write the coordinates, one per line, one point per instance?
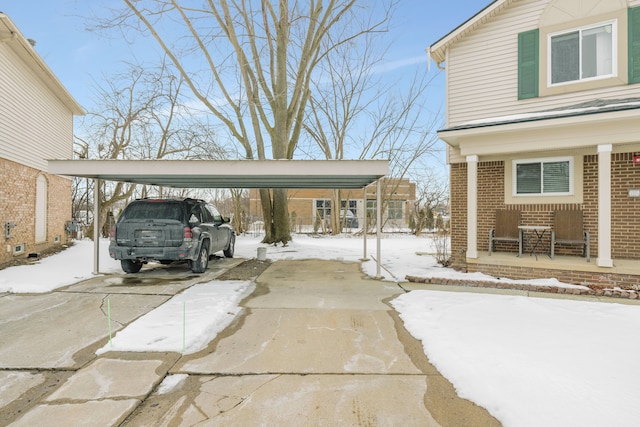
(472, 206)
(604, 206)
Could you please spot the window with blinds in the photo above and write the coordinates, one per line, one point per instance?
(552, 176)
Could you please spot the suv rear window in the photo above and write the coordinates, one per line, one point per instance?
(150, 210)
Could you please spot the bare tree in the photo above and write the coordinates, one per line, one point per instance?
(260, 58)
(240, 206)
(141, 115)
(432, 192)
(354, 113)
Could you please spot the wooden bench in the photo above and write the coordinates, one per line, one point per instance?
(568, 229)
(506, 229)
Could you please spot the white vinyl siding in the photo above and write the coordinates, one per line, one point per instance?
(482, 70)
(36, 125)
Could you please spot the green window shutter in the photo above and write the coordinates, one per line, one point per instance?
(528, 53)
(634, 45)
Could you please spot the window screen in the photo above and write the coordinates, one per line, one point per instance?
(543, 177)
(565, 57)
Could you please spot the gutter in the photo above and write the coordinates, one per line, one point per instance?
(559, 115)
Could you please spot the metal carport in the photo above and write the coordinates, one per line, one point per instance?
(335, 174)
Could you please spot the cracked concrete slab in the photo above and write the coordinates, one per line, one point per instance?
(300, 400)
(111, 378)
(90, 414)
(14, 384)
(50, 331)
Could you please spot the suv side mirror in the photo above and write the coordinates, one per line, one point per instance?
(226, 219)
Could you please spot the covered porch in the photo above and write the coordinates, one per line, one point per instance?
(597, 145)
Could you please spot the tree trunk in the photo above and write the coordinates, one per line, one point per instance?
(277, 222)
(267, 215)
(336, 226)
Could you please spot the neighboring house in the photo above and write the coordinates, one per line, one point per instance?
(309, 209)
(36, 124)
(543, 115)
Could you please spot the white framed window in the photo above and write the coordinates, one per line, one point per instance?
(353, 206)
(543, 177)
(323, 208)
(371, 208)
(395, 209)
(580, 54)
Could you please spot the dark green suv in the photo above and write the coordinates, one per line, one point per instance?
(168, 230)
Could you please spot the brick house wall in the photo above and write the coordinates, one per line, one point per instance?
(458, 220)
(590, 203)
(18, 194)
(625, 223)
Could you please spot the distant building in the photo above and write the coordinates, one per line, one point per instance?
(309, 209)
(36, 124)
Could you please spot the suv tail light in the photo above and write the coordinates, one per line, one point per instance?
(188, 235)
(112, 233)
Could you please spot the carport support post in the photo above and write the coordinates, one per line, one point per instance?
(96, 227)
(378, 228)
(364, 228)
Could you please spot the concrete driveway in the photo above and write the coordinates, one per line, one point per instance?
(316, 345)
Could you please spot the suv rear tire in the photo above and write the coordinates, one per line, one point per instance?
(130, 265)
(199, 265)
(228, 251)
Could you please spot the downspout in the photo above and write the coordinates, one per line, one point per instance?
(438, 64)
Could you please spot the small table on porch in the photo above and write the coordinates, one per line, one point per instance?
(531, 232)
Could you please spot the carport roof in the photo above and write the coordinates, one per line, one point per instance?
(347, 174)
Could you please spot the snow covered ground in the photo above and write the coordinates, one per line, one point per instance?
(529, 361)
